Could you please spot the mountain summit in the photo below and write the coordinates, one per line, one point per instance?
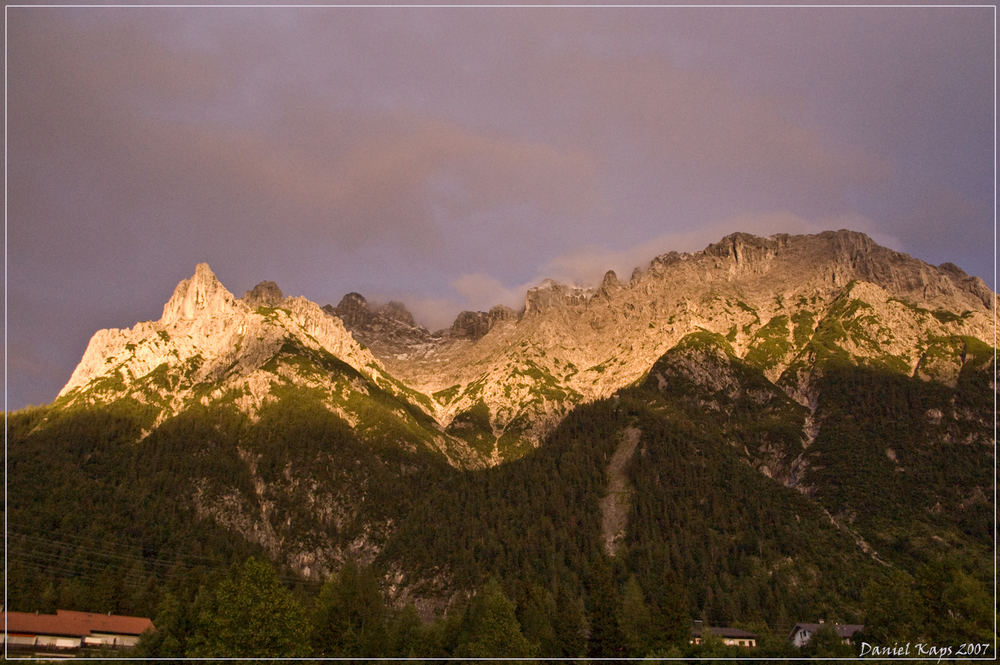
(770, 426)
(490, 387)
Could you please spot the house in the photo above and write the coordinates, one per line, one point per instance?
(731, 637)
(803, 632)
(67, 631)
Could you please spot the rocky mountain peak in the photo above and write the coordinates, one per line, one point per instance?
(397, 311)
(473, 325)
(352, 309)
(746, 249)
(265, 294)
(852, 243)
(777, 302)
(470, 325)
(974, 285)
(610, 284)
(356, 312)
(202, 294)
(551, 294)
(501, 313)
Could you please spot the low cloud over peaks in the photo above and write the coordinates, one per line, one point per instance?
(465, 154)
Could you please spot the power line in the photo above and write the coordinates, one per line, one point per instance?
(165, 566)
(152, 561)
(47, 536)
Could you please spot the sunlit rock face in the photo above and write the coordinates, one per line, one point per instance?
(494, 383)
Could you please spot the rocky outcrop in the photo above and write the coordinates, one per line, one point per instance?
(746, 249)
(356, 312)
(265, 294)
(552, 295)
(470, 325)
(352, 309)
(396, 311)
(776, 300)
(609, 285)
(389, 329)
(473, 325)
(206, 335)
(783, 304)
(201, 295)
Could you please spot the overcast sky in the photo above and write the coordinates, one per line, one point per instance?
(451, 157)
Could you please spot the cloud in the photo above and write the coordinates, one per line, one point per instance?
(410, 174)
(480, 288)
(586, 265)
(688, 132)
(942, 223)
(128, 132)
(434, 313)
(456, 151)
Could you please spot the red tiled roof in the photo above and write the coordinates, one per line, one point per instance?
(75, 624)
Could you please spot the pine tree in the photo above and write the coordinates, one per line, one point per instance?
(490, 628)
(570, 622)
(668, 607)
(251, 615)
(826, 643)
(172, 627)
(405, 633)
(349, 618)
(536, 621)
(605, 640)
(635, 619)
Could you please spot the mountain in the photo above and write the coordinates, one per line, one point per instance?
(210, 347)
(772, 428)
(779, 301)
(489, 388)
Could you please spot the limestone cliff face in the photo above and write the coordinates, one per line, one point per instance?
(265, 294)
(205, 328)
(492, 385)
(783, 302)
(210, 347)
(200, 297)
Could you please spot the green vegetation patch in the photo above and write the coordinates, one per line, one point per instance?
(852, 320)
(112, 382)
(704, 339)
(448, 394)
(944, 316)
(770, 344)
(544, 386)
(746, 308)
(804, 322)
(473, 427)
(160, 377)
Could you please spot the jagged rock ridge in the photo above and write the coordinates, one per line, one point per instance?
(495, 382)
(210, 347)
(769, 297)
(759, 327)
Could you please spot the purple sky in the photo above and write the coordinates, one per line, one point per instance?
(450, 157)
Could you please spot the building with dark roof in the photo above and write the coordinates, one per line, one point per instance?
(803, 632)
(67, 631)
(733, 637)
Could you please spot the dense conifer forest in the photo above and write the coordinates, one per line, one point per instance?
(510, 560)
